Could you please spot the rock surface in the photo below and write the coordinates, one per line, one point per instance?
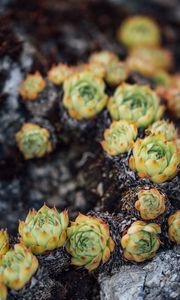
(158, 279)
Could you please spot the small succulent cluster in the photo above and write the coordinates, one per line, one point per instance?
(115, 71)
(141, 241)
(119, 138)
(84, 95)
(33, 141)
(149, 61)
(146, 56)
(89, 242)
(150, 203)
(32, 86)
(98, 69)
(88, 239)
(104, 58)
(135, 103)
(58, 74)
(164, 127)
(155, 158)
(44, 230)
(17, 267)
(139, 31)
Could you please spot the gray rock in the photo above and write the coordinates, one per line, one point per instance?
(158, 279)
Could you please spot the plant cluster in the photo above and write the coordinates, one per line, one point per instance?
(33, 141)
(135, 131)
(88, 240)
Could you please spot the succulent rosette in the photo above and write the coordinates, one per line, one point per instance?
(139, 31)
(116, 73)
(4, 242)
(89, 242)
(59, 73)
(155, 158)
(149, 61)
(135, 103)
(119, 138)
(98, 69)
(33, 141)
(150, 204)
(3, 291)
(164, 127)
(84, 95)
(32, 86)
(44, 230)
(174, 227)
(17, 267)
(141, 241)
(103, 57)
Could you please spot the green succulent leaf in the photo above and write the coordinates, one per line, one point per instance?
(150, 203)
(139, 31)
(164, 127)
(89, 242)
(141, 241)
(44, 230)
(33, 141)
(84, 95)
(119, 137)
(155, 158)
(17, 267)
(135, 103)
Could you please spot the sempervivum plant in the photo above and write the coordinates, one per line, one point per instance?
(4, 242)
(59, 73)
(38, 95)
(119, 138)
(141, 241)
(155, 158)
(3, 291)
(174, 227)
(135, 103)
(32, 86)
(139, 31)
(98, 69)
(33, 141)
(150, 203)
(103, 57)
(116, 72)
(164, 127)
(44, 230)
(89, 242)
(17, 267)
(84, 95)
(147, 61)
